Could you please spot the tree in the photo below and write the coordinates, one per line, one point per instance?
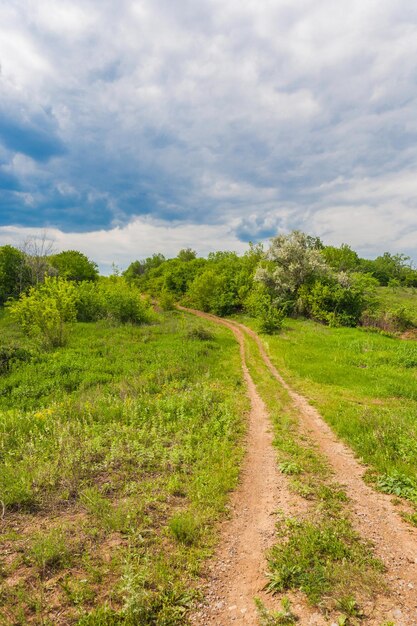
(342, 259)
(45, 311)
(391, 266)
(212, 291)
(37, 250)
(187, 254)
(74, 265)
(139, 268)
(14, 273)
(292, 261)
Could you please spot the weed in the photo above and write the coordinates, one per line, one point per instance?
(78, 591)
(312, 556)
(349, 606)
(50, 551)
(113, 518)
(102, 616)
(410, 517)
(201, 333)
(185, 528)
(276, 618)
(397, 484)
(291, 468)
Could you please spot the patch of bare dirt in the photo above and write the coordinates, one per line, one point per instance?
(410, 334)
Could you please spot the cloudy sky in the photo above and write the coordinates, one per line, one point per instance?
(128, 127)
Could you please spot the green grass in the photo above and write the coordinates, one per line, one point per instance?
(399, 297)
(117, 455)
(364, 385)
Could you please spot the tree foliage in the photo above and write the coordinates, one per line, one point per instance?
(46, 310)
(74, 265)
(292, 261)
(15, 274)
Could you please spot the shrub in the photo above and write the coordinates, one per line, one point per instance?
(397, 319)
(91, 305)
(112, 299)
(46, 310)
(10, 355)
(200, 333)
(212, 291)
(259, 304)
(271, 320)
(167, 301)
(185, 528)
(123, 303)
(337, 301)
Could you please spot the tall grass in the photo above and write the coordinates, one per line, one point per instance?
(364, 385)
(117, 454)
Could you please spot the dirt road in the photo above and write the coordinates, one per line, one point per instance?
(237, 574)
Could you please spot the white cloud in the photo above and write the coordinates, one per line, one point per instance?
(140, 238)
(237, 114)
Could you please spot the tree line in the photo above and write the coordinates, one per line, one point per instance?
(297, 275)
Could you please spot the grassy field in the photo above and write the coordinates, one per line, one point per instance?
(365, 386)
(117, 454)
(399, 297)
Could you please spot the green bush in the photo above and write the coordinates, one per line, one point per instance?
(112, 299)
(271, 320)
(46, 310)
(167, 301)
(396, 319)
(123, 303)
(259, 304)
(91, 305)
(337, 301)
(212, 291)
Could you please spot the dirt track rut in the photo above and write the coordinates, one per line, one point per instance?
(237, 573)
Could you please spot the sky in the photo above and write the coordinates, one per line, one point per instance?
(133, 127)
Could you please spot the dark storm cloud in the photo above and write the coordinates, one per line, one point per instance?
(257, 117)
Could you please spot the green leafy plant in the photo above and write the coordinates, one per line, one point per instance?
(50, 551)
(200, 333)
(185, 528)
(46, 311)
(398, 484)
(291, 468)
(276, 618)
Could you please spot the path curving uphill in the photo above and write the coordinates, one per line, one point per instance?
(374, 515)
(237, 574)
